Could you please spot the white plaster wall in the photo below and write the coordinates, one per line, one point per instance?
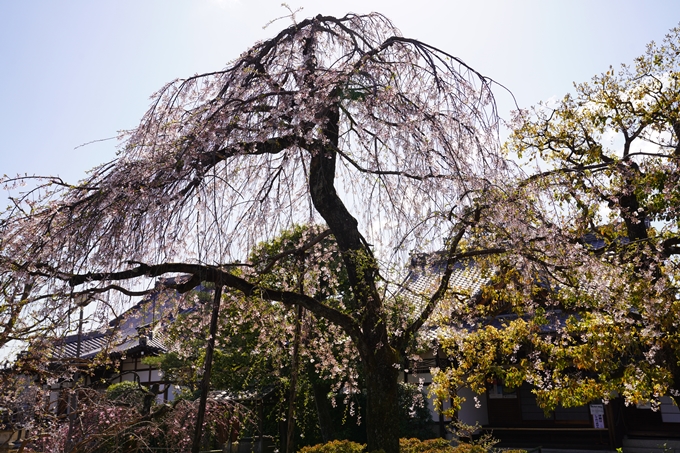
(670, 413)
(469, 413)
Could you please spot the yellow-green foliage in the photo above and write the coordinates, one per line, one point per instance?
(336, 446)
(405, 446)
(124, 390)
(430, 446)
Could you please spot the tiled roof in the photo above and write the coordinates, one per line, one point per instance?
(424, 277)
(91, 343)
(123, 336)
(134, 344)
(467, 281)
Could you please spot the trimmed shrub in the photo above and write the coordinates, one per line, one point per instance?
(405, 446)
(422, 446)
(469, 448)
(336, 446)
(127, 393)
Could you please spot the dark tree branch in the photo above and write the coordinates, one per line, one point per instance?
(451, 259)
(212, 274)
(306, 246)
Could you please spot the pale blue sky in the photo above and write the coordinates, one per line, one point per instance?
(80, 70)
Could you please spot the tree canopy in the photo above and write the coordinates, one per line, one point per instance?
(387, 141)
(602, 192)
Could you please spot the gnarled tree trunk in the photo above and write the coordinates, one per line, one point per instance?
(382, 411)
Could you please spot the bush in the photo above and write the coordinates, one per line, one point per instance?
(469, 448)
(336, 446)
(430, 445)
(405, 446)
(126, 393)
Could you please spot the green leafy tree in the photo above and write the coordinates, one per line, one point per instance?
(602, 199)
(255, 353)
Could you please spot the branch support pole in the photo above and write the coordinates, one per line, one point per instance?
(290, 435)
(205, 383)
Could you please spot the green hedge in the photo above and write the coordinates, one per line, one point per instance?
(438, 445)
(336, 446)
(405, 446)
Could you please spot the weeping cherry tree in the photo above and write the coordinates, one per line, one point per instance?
(386, 141)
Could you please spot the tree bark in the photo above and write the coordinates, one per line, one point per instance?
(382, 412)
(378, 357)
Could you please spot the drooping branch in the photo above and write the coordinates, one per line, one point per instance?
(340, 119)
(207, 161)
(206, 273)
(14, 307)
(452, 257)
